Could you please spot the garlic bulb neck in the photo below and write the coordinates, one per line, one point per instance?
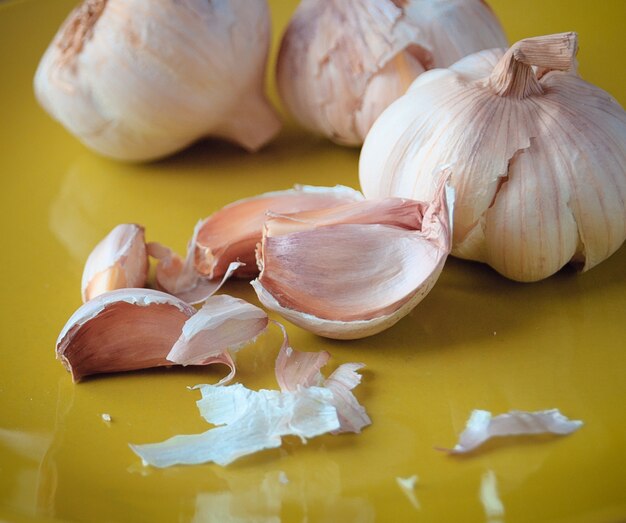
(514, 75)
(79, 28)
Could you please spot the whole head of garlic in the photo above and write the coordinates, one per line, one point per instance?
(342, 62)
(138, 79)
(536, 154)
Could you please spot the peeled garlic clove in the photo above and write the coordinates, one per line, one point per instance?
(125, 329)
(118, 261)
(138, 80)
(223, 324)
(537, 157)
(232, 233)
(352, 272)
(341, 63)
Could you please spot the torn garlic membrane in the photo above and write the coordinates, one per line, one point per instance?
(138, 80)
(249, 421)
(232, 233)
(482, 426)
(342, 62)
(537, 157)
(353, 270)
(119, 260)
(130, 329)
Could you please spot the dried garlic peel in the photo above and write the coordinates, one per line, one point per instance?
(119, 260)
(341, 63)
(355, 270)
(482, 426)
(232, 233)
(537, 157)
(251, 421)
(138, 80)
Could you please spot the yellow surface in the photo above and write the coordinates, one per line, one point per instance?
(477, 341)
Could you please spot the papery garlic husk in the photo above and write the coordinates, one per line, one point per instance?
(232, 233)
(138, 79)
(118, 261)
(354, 270)
(342, 62)
(125, 329)
(537, 157)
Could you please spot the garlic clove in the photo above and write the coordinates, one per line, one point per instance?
(349, 278)
(138, 80)
(224, 324)
(341, 63)
(118, 261)
(231, 234)
(121, 330)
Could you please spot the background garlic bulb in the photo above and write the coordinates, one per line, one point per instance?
(537, 157)
(139, 79)
(342, 62)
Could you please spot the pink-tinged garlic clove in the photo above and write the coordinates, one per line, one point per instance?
(118, 261)
(222, 326)
(125, 329)
(353, 271)
(232, 233)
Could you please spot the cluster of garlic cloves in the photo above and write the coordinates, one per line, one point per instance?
(138, 80)
(341, 63)
(356, 269)
(537, 157)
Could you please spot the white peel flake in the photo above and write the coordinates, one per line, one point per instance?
(250, 421)
(489, 497)
(407, 485)
(482, 426)
(106, 417)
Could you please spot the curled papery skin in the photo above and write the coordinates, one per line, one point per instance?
(121, 330)
(181, 278)
(537, 157)
(138, 79)
(354, 270)
(341, 62)
(118, 261)
(223, 325)
(232, 233)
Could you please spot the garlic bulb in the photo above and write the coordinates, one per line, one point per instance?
(341, 62)
(353, 270)
(537, 157)
(138, 79)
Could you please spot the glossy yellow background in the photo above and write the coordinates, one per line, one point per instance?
(477, 341)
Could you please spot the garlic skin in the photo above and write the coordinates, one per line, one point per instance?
(232, 233)
(342, 62)
(118, 261)
(537, 157)
(354, 270)
(138, 80)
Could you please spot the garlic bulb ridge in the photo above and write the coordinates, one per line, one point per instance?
(342, 62)
(537, 157)
(138, 80)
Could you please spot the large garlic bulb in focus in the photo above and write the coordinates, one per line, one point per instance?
(537, 157)
(342, 62)
(141, 79)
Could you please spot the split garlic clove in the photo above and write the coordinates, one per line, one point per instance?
(341, 63)
(122, 330)
(232, 233)
(353, 271)
(537, 157)
(118, 261)
(138, 80)
(223, 325)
